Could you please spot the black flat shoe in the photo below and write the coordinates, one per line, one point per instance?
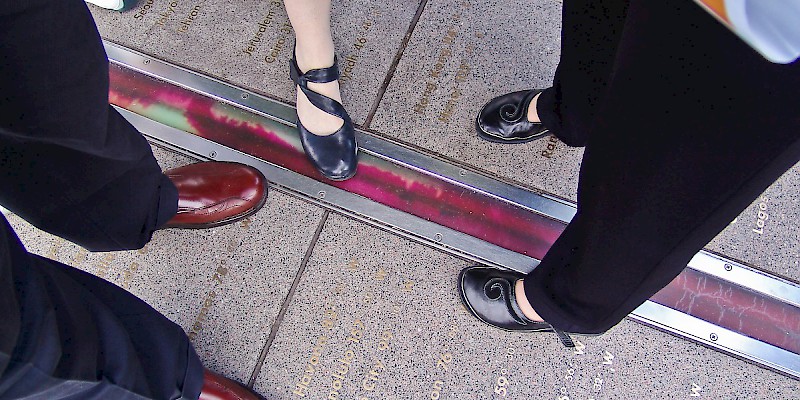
(336, 155)
(504, 119)
(489, 294)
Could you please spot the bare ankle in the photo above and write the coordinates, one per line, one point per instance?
(524, 305)
(533, 115)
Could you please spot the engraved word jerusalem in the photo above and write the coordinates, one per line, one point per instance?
(252, 45)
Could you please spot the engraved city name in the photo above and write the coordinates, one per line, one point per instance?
(761, 216)
(280, 43)
(438, 71)
(252, 44)
(164, 16)
(188, 20)
(552, 142)
(144, 9)
(328, 322)
(349, 63)
(208, 301)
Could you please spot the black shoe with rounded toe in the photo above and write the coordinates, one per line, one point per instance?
(489, 294)
(336, 155)
(504, 119)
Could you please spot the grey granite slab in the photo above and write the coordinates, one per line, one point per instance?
(379, 317)
(461, 55)
(224, 286)
(250, 43)
(765, 235)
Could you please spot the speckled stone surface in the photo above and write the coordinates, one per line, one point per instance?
(461, 56)
(379, 317)
(250, 43)
(765, 235)
(224, 286)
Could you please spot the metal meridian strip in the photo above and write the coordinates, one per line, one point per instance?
(440, 204)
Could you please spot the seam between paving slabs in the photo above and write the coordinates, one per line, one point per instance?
(395, 62)
(287, 301)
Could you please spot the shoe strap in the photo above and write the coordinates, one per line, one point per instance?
(520, 111)
(319, 75)
(566, 340)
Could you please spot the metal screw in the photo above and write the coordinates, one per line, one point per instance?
(147, 61)
(728, 267)
(713, 337)
(245, 95)
(213, 154)
(438, 237)
(321, 194)
(462, 173)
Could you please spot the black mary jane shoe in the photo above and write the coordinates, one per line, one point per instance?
(504, 119)
(334, 155)
(489, 294)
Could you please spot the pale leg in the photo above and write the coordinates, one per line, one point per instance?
(519, 292)
(314, 49)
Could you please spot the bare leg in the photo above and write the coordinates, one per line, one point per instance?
(311, 20)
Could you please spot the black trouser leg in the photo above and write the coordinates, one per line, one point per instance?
(589, 37)
(67, 334)
(692, 127)
(69, 163)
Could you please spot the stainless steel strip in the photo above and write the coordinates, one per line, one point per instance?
(708, 334)
(745, 276)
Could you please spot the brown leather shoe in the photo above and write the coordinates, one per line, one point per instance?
(216, 193)
(218, 387)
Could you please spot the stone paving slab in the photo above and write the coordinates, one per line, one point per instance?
(379, 317)
(250, 43)
(460, 56)
(765, 234)
(224, 286)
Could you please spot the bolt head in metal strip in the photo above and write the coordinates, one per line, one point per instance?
(728, 267)
(321, 194)
(213, 154)
(713, 337)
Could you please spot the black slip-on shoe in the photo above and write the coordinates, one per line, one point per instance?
(336, 155)
(504, 119)
(489, 294)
